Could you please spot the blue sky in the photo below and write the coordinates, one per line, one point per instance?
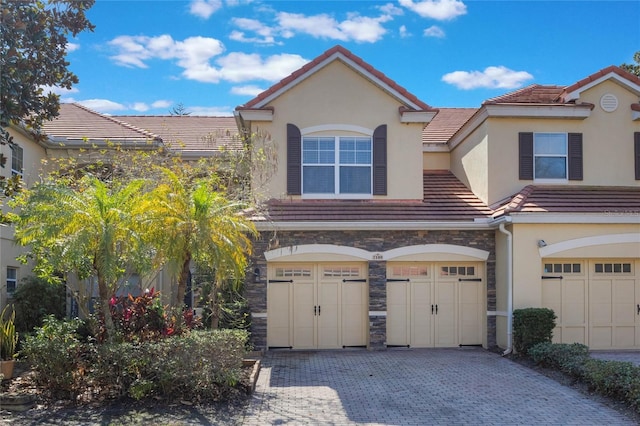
(145, 57)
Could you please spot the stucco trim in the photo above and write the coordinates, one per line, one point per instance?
(589, 241)
(283, 253)
(336, 128)
(618, 217)
(629, 85)
(371, 226)
(426, 249)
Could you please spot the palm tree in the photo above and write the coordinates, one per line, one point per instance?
(88, 229)
(190, 221)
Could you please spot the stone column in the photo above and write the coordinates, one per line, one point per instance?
(377, 304)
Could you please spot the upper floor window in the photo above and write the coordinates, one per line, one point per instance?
(550, 155)
(17, 160)
(336, 165)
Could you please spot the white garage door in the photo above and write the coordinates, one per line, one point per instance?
(597, 301)
(434, 304)
(317, 305)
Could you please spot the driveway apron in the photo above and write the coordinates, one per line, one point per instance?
(414, 387)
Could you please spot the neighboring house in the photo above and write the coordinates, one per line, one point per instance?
(394, 223)
(23, 158)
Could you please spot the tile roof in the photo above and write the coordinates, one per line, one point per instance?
(533, 94)
(300, 73)
(445, 199)
(189, 133)
(76, 123)
(599, 74)
(445, 124)
(573, 199)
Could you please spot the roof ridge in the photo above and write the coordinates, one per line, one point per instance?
(601, 73)
(119, 122)
(337, 49)
(519, 199)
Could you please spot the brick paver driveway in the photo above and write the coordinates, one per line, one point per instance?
(414, 387)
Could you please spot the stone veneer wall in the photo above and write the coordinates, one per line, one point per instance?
(373, 241)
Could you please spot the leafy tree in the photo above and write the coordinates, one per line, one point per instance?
(88, 229)
(34, 42)
(36, 298)
(192, 222)
(633, 68)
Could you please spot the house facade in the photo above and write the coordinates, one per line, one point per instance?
(392, 223)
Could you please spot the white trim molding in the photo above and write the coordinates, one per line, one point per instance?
(336, 128)
(629, 85)
(256, 114)
(590, 241)
(377, 313)
(284, 252)
(417, 116)
(436, 248)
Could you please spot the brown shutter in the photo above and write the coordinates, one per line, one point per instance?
(525, 141)
(294, 160)
(575, 156)
(636, 153)
(380, 160)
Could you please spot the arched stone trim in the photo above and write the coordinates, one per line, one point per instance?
(337, 128)
(283, 253)
(552, 249)
(429, 249)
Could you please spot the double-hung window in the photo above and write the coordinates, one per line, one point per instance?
(17, 160)
(336, 165)
(550, 155)
(12, 279)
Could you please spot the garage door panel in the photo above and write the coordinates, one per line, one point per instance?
(470, 313)
(354, 307)
(573, 334)
(278, 305)
(421, 315)
(397, 313)
(328, 318)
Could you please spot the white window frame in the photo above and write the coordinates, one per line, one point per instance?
(565, 156)
(336, 169)
(13, 280)
(15, 150)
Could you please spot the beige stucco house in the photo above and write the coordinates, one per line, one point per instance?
(394, 223)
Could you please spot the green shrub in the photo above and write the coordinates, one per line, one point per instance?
(617, 379)
(196, 365)
(58, 357)
(568, 358)
(34, 299)
(532, 326)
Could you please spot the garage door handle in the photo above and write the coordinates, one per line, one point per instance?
(318, 309)
(315, 310)
(638, 309)
(436, 309)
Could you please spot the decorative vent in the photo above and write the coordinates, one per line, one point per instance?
(609, 102)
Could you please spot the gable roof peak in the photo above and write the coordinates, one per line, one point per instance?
(341, 53)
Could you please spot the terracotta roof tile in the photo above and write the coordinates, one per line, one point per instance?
(334, 50)
(445, 124)
(535, 93)
(188, 132)
(76, 123)
(574, 199)
(610, 69)
(445, 199)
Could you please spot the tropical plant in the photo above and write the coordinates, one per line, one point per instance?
(86, 228)
(34, 299)
(189, 221)
(8, 334)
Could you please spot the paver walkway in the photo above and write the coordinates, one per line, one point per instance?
(414, 387)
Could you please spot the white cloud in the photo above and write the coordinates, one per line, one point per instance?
(161, 103)
(59, 90)
(404, 33)
(434, 31)
(211, 111)
(391, 9)
(356, 28)
(139, 106)
(237, 67)
(204, 8)
(492, 78)
(195, 54)
(72, 47)
(247, 90)
(102, 105)
(441, 10)
(265, 32)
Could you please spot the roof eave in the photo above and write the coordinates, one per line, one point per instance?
(479, 223)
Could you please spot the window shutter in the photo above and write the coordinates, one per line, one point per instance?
(636, 153)
(294, 160)
(575, 156)
(525, 141)
(380, 160)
